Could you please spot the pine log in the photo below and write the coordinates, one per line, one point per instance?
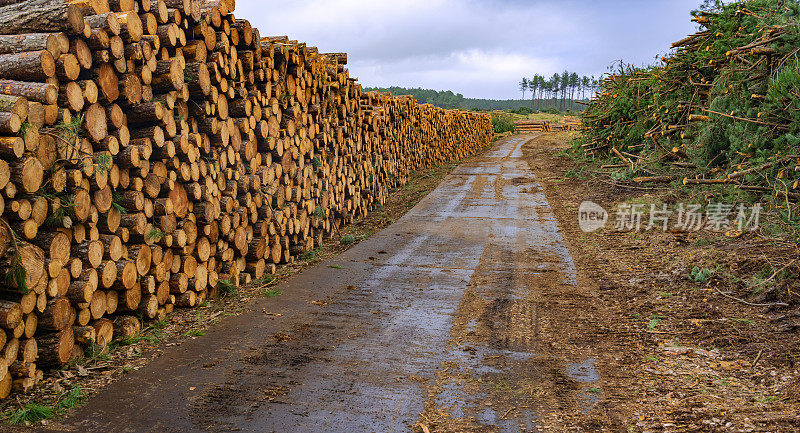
(105, 331)
(11, 349)
(10, 147)
(10, 314)
(96, 123)
(27, 173)
(5, 386)
(30, 257)
(81, 289)
(97, 306)
(15, 104)
(28, 350)
(40, 16)
(32, 321)
(27, 66)
(85, 335)
(107, 82)
(45, 93)
(56, 315)
(148, 307)
(22, 369)
(90, 252)
(55, 348)
(127, 326)
(10, 123)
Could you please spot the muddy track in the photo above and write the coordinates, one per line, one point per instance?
(450, 318)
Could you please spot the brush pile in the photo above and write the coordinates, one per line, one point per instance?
(723, 108)
(152, 151)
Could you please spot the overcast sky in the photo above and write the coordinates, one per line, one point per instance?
(479, 48)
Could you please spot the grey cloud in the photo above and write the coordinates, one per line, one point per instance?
(478, 48)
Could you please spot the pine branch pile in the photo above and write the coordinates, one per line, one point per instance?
(722, 108)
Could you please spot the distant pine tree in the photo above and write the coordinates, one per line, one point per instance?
(448, 99)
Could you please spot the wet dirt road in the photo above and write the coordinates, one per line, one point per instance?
(435, 320)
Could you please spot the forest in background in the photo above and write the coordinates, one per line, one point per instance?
(450, 100)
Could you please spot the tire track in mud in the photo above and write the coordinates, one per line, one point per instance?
(507, 359)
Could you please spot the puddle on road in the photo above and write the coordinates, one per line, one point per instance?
(586, 373)
(453, 398)
(459, 398)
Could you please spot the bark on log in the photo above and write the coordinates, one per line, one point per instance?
(44, 93)
(56, 315)
(85, 335)
(28, 66)
(127, 326)
(40, 16)
(15, 104)
(56, 348)
(105, 331)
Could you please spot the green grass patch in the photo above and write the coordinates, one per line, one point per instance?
(266, 279)
(226, 288)
(700, 275)
(352, 239)
(271, 293)
(310, 256)
(195, 333)
(155, 336)
(159, 324)
(655, 320)
(768, 399)
(34, 412)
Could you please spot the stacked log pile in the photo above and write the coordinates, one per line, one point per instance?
(568, 123)
(150, 149)
(528, 126)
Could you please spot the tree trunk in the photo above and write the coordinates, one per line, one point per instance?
(44, 93)
(126, 326)
(40, 16)
(28, 66)
(55, 349)
(56, 315)
(105, 331)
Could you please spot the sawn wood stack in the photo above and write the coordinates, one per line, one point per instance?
(151, 149)
(528, 126)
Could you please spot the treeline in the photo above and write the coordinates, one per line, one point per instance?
(442, 99)
(520, 105)
(448, 99)
(562, 89)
